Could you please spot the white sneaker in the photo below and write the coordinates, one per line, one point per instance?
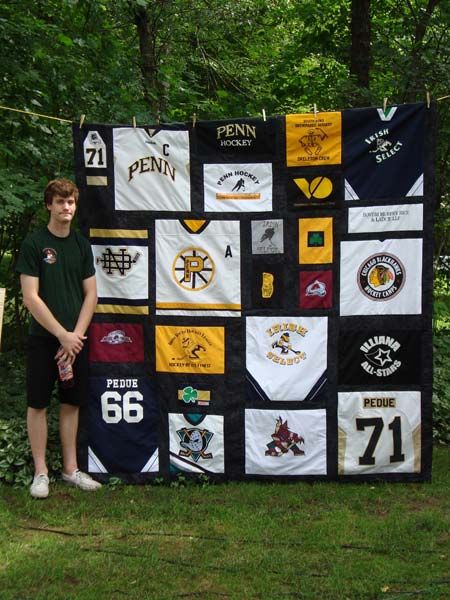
(81, 480)
(39, 487)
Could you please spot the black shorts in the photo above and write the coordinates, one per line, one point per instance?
(42, 373)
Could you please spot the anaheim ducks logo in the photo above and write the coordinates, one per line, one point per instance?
(194, 443)
(380, 355)
(381, 277)
(193, 269)
(284, 343)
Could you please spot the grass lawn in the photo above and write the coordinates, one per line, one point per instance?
(237, 540)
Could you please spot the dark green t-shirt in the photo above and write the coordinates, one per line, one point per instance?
(61, 265)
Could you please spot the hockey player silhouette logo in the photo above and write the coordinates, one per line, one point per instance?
(193, 269)
(191, 349)
(268, 235)
(119, 261)
(240, 186)
(284, 440)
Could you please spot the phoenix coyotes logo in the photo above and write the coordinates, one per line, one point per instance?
(194, 443)
(285, 343)
(284, 440)
(118, 261)
(193, 269)
(380, 355)
(381, 277)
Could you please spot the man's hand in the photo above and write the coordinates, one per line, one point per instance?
(71, 345)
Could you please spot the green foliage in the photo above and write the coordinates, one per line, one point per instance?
(16, 464)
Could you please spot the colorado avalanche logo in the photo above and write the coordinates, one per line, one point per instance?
(381, 277)
(316, 288)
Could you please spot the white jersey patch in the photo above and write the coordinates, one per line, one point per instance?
(198, 273)
(151, 171)
(287, 442)
(286, 356)
(379, 432)
(382, 278)
(196, 445)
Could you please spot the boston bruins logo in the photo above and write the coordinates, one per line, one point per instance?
(381, 277)
(193, 269)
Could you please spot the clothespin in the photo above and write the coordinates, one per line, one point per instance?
(428, 99)
(264, 114)
(82, 118)
(134, 122)
(384, 104)
(315, 109)
(194, 119)
(158, 118)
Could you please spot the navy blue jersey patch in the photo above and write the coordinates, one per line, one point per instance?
(123, 425)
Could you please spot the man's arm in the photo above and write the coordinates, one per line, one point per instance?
(88, 306)
(85, 316)
(71, 341)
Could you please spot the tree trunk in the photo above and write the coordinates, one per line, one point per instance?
(148, 24)
(360, 47)
(415, 83)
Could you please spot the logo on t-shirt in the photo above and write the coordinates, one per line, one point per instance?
(49, 256)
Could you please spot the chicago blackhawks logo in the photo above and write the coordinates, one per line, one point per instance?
(285, 344)
(194, 443)
(118, 261)
(284, 440)
(193, 269)
(379, 352)
(381, 277)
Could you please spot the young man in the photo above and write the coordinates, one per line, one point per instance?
(57, 276)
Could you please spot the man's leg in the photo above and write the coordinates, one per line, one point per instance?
(37, 434)
(68, 428)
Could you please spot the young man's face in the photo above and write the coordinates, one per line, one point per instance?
(62, 209)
